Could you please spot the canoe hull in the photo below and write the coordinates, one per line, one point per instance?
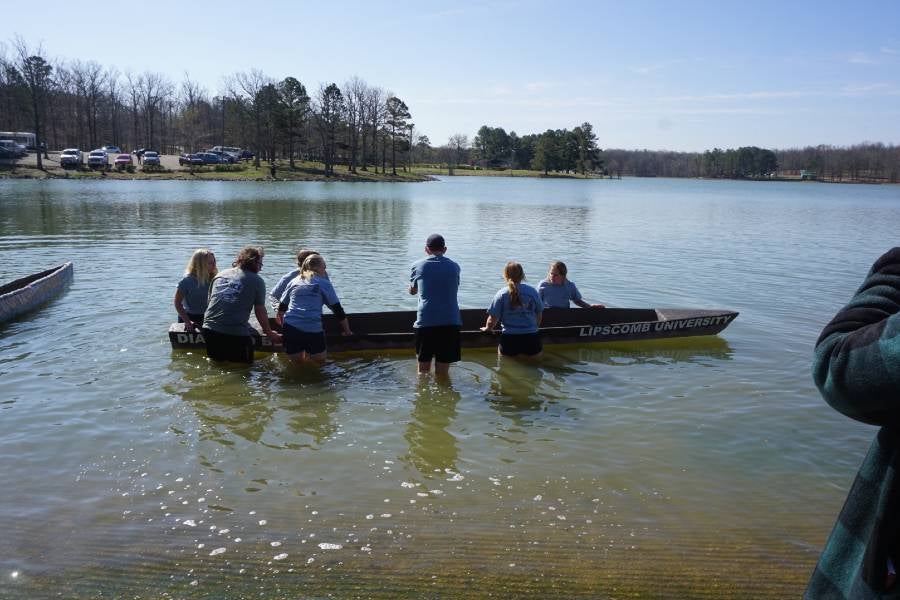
(393, 330)
(28, 293)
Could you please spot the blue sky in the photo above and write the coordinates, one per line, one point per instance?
(658, 75)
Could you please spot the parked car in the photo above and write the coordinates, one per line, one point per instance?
(112, 149)
(142, 151)
(13, 149)
(98, 158)
(71, 158)
(124, 160)
(224, 157)
(151, 158)
(247, 155)
(189, 159)
(209, 158)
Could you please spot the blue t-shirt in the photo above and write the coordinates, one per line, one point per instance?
(278, 291)
(558, 296)
(305, 300)
(521, 319)
(437, 278)
(194, 296)
(235, 292)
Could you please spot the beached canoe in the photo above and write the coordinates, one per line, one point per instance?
(394, 330)
(27, 293)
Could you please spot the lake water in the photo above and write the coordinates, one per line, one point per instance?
(700, 468)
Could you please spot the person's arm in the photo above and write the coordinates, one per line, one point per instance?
(857, 357)
(413, 282)
(263, 317)
(489, 324)
(580, 302)
(179, 308)
(338, 311)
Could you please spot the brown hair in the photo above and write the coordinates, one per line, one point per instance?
(302, 253)
(559, 266)
(249, 258)
(513, 273)
(312, 262)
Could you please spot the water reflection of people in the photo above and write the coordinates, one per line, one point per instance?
(431, 446)
(230, 404)
(857, 369)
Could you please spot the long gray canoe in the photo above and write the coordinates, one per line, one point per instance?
(28, 293)
(393, 330)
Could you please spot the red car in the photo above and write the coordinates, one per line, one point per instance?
(124, 160)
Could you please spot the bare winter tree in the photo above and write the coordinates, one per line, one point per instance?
(375, 114)
(354, 114)
(36, 72)
(328, 111)
(248, 87)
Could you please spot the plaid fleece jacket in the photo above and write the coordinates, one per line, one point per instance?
(857, 369)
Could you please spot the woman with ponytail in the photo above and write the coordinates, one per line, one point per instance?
(518, 309)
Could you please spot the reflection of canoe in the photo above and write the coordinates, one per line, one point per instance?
(30, 292)
(376, 331)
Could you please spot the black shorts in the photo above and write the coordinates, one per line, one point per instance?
(296, 341)
(196, 318)
(233, 348)
(512, 344)
(440, 343)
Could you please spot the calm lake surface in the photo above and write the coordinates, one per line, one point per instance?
(702, 468)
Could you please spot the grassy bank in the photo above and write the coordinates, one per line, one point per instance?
(302, 171)
(470, 172)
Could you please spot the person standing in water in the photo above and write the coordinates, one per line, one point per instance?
(519, 309)
(438, 322)
(234, 293)
(192, 293)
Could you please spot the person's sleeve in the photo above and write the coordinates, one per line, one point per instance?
(329, 296)
(260, 295)
(182, 286)
(539, 303)
(541, 287)
(496, 307)
(413, 275)
(574, 294)
(857, 357)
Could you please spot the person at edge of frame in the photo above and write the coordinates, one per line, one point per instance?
(438, 321)
(856, 367)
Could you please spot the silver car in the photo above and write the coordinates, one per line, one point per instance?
(71, 158)
(98, 158)
(151, 158)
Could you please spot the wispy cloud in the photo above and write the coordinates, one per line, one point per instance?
(861, 58)
(536, 87)
(888, 50)
(760, 95)
(871, 89)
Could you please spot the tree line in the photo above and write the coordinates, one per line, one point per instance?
(84, 105)
(867, 162)
(559, 150)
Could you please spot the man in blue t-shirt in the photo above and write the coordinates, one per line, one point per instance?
(438, 322)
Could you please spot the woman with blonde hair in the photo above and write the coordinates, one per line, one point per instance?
(300, 311)
(192, 293)
(518, 308)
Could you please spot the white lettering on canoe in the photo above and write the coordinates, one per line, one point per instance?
(190, 338)
(632, 328)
